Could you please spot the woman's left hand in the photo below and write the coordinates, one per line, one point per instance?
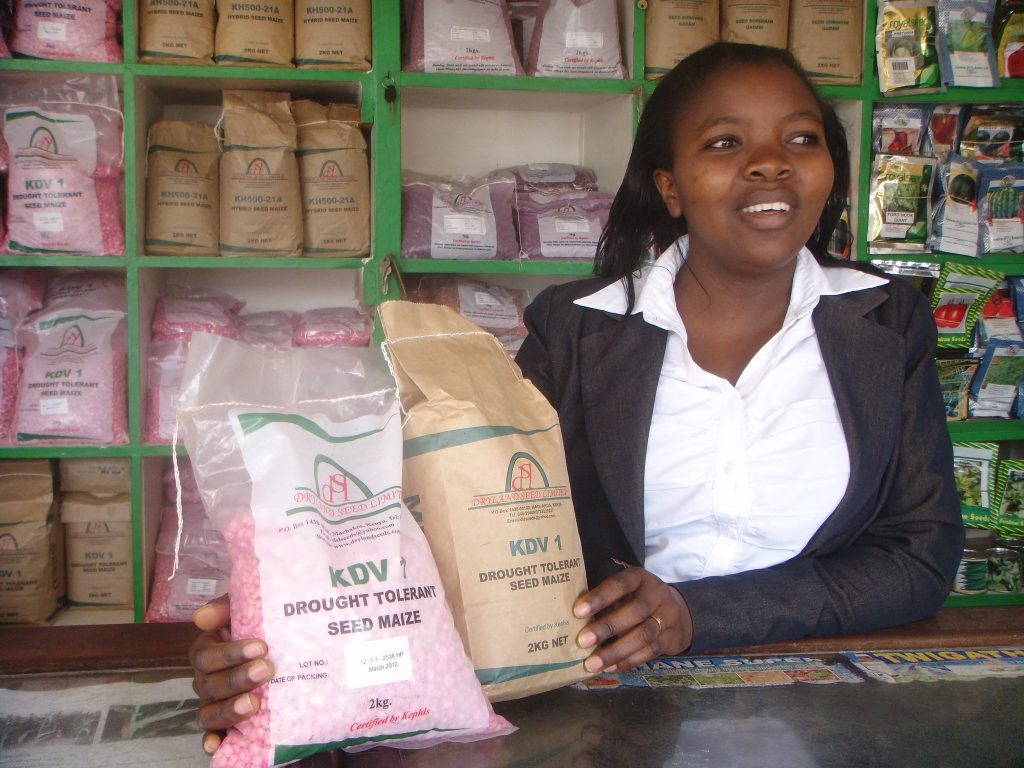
(634, 617)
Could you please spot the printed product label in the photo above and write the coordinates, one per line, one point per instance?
(462, 227)
(577, 39)
(204, 587)
(52, 30)
(490, 309)
(470, 35)
(568, 234)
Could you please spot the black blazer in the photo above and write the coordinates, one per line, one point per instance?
(885, 556)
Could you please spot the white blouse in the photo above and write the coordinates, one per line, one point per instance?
(739, 477)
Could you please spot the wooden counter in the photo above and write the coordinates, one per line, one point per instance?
(145, 646)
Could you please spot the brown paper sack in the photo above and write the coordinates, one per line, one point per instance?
(260, 198)
(255, 35)
(182, 189)
(335, 174)
(825, 37)
(332, 36)
(99, 548)
(176, 33)
(31, 543)
(484, 472)
(675, 29)
(764, 22)
(96, 475)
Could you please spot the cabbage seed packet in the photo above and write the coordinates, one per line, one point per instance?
(906, 45)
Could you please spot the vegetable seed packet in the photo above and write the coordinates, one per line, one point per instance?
(1010, 40)
(958, 299)
(1000, 194)
(1008, 512)
(899, 129)
(994, 389)
(966, 48)
(955, 376)
(943, 130)
(993, 135)
(955, 227)
(900, 198)
(974, 470)
(906, 45)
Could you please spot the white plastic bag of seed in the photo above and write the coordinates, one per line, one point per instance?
(298, 458)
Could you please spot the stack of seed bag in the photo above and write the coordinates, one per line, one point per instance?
(32, 581)
(95, 508)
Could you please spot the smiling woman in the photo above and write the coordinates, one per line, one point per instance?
(782, 468)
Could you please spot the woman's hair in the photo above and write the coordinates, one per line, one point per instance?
(639, 220)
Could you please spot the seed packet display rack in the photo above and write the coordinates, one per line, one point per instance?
(430, 123)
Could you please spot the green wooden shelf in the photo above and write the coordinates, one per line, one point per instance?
(145, 84)
(70, 67)
(496, 267)
(987, 599)
(220, 72)
(232, 262)
(974, 430)
(61, 260)
(516, 83)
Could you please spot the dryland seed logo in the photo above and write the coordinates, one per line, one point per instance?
(525, 474)
(525, 481)
(258, 167)
(330, 170)
(97, 528)
(337, 494)
(185, 167)
(73, 341)
(8, 543)
(42, 139)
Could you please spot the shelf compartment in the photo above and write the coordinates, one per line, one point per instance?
(496, 267)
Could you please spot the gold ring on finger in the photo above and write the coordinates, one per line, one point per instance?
(658, 621)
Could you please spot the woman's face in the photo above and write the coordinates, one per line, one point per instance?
(751, 171)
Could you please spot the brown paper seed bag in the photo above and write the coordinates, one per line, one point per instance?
(176, 32)
(825, 37)
(260, 198)
(675, 29)
(98, 533)
(96, 475)
(255, 34)
(182, 189)
(764, 22)
(332, 36)
(31, 543)
(335, 174)
(484, 472)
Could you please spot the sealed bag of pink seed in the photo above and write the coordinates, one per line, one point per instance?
(298, 458)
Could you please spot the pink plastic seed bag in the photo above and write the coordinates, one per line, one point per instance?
(576, 38)
(73, 383)
(565, 228)
(333, 327)
(21, 292)
(203, 566)
(298, 458)
(65, 185)
(85, 30)
(463, 36)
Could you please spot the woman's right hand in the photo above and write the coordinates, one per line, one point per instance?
(226, 671)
